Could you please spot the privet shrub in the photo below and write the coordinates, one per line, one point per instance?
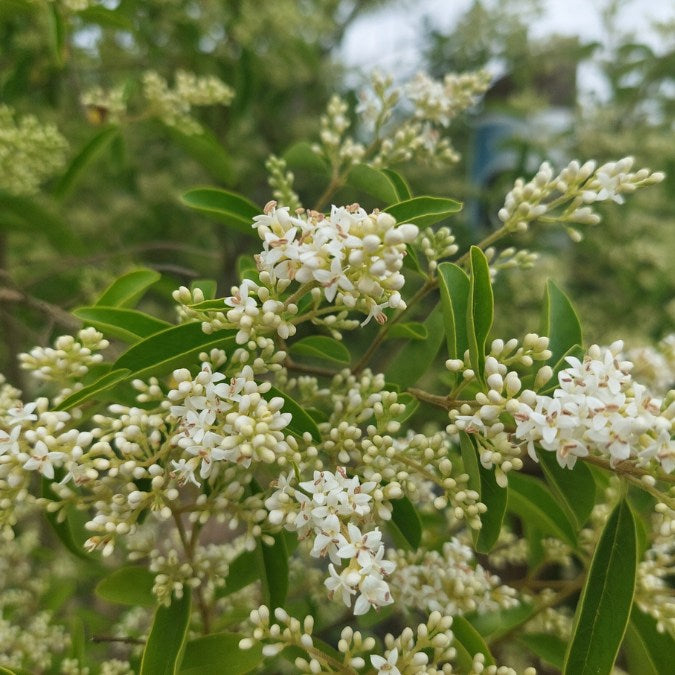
(338, 468)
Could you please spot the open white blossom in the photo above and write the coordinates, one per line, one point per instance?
(354, 256)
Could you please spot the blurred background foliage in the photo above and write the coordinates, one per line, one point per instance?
(114, 203)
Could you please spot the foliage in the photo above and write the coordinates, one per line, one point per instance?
(353, 461)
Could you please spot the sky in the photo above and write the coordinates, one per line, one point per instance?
(390, 39)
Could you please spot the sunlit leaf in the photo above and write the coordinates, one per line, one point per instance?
(130, 585)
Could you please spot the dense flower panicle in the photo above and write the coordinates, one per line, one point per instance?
(439, 101)
(449, 581)
(225, 420)
(30, 152)
(598, 408)
(354, 256)
(328, 508)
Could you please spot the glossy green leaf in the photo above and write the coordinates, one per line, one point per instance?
(273, 570)
(172, 348)
(224, 206)
(412, 330)
(559, 322)
(219, 653)
(454, 286)
(128, 325)
(416, 356)
(483, 481)
(301, 421)
(549, 648)
(530, 499)
(321, 347)
(247, 268)
(91, 391)
(400, 184)
(411, 404)
(373, 182)
(168, 635)
(128, 586)
(208, 287)
(301, 156)
(407, 520)
(411, 260)
(89, 153)
(243, 570)
(648, 652)
(424, 211)
(574, 489)
(493, 625)
(605, 604)
(481, 309)
(108, 18)
(468, 642)
(128, 289)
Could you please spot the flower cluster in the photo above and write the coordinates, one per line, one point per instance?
(173, 106)
(354, 256)
(440, 102)
(598, 408)
(30, 152)
(328, 507)
(225, 420)
(565, 198)
(448, 581)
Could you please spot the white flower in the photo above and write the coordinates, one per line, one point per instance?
(9, 442)
(41, 459)
(23, 412)
(386, 666)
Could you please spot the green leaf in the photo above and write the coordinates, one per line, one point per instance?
(374, 182)
(549, 648)
(57, 29)
(648, 652)
(322, 347)
(128, 289)
(128, 325)
(208, 287)
(575, 489)
(273, 570)
(246, 267)
(494, 625)
(559, 322)
(128, 586)
(28, 215)
(470, 642)
(205, 149)
(172, 348)
(412, 330)
(481, 309)
(400, 184)
(104, 383)
(411, 260)
(89, 153)
(108, 18)
(416, 356)
(301, 156)
(605, 604)
(243, 570)
(407, 520)
(166, 642)
(224, 206)
(208, 655)
(483, 481)
(532, 502)
(62, 528)
(411, 404)
(424, 211)
(454, 286)
(301, 421)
